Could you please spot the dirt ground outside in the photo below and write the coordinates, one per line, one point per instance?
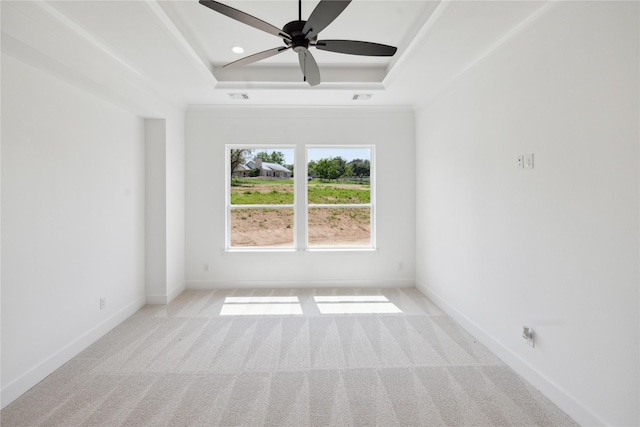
(326, 227)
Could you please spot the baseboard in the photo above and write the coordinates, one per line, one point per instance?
(560, 397)
(156, 299)
(166, 299)
(39, 372)
(299, 284)
(176, 291)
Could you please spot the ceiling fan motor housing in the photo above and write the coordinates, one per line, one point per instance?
(299, 42)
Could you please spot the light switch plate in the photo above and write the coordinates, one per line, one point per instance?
(528, 161)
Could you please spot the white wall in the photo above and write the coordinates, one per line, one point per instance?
(72, 221)
(175, 208)
(164, 206)
(155, 142)
(209, 129)
(554, 247)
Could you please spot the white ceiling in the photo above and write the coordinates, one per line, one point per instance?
(147, 54)
(213, 35)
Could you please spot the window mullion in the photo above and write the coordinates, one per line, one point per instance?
(300, 199)
(262, 206)
(338, 205)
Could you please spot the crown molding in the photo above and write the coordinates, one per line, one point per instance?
(486, 53)
(185, 47)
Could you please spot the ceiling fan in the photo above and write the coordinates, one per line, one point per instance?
(300, 35)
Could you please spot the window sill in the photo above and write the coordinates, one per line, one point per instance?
(297, 252)
(340, 250)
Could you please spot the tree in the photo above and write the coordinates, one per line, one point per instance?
(311, 168)
(341, 165)
(360, 167)
(290, 167)
(331, 168)
(237, 158)
(348, 170)
(274, 157)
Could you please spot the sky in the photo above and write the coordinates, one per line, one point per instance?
(316, 154)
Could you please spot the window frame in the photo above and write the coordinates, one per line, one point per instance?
(371, 205)
(300, 204)
(229, 206)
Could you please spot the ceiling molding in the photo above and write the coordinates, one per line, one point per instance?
(87, 36)
(291, 74)
(424, 24)
(129, 97)
(482, 56)
(280, 111)
(126, 85)
(189, 52)
(430, 25)
(299, 86)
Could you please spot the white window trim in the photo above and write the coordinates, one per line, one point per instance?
(371, 205)
(300, 216)
(229, 206)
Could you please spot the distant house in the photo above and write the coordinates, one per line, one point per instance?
(242, 171)
(270, 170)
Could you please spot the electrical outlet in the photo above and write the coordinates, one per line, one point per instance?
(529, 336)
(103, 303)
(520, 161)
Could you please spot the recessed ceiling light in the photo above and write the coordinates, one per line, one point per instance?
(237, 49)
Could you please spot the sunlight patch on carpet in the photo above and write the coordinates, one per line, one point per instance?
(257, 306)
(355, 304)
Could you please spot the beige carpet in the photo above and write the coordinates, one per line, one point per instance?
(186, 364)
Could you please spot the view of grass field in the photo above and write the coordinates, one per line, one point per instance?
(257, 191)
(321, 193)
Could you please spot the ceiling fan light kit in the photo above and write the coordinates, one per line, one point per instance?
(300, 35)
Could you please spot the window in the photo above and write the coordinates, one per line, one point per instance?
(260, 199)
(334, 209)
(339, 202)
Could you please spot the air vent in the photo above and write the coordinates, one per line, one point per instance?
(239, 96)
(362, 96)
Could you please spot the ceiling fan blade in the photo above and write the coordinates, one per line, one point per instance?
(353, 47)
(324, 14)
(309, 67)
(256, 57)
(245, 18)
